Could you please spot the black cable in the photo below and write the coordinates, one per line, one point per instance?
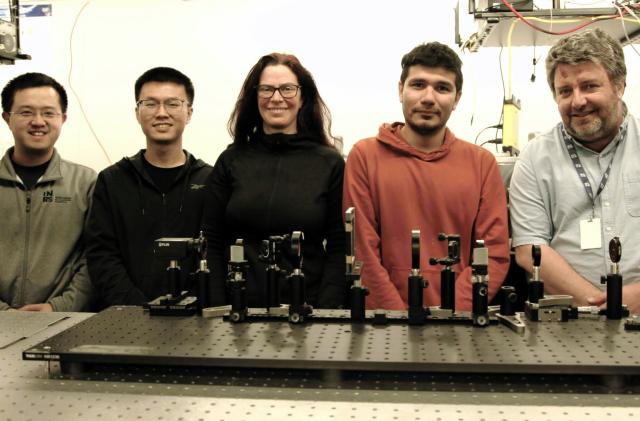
(504, 93)
(535, 61)
(496, 142)
(495, 126)
(500, 7)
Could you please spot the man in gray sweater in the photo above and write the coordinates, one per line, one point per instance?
(44, 201)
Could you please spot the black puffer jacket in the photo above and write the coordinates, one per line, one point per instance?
(129, 212)
(274, 185)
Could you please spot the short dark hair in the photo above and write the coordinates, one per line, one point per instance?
(313, 118)
(165, 74)
(31, 80)
(433, 54)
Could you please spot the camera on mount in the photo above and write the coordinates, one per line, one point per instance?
(178, 302)
(169, 248)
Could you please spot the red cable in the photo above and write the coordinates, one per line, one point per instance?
(568, 31)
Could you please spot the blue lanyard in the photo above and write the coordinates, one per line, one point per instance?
(573, 154)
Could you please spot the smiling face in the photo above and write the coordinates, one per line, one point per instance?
(590, 104)
(35, 120)
(279, 115)
(161, 124)
(428, 96)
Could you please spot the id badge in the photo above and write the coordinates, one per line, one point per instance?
(590, 234)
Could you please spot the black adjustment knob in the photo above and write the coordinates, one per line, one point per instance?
(453, 249)
(536, 255)
(509, 299)
(296, 242)
(615, 250)
(415, 249)
(297, 237)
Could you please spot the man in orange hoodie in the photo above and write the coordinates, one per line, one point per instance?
(418, 175)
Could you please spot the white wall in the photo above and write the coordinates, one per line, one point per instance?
(353, 49)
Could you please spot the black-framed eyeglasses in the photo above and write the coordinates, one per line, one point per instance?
(288, 90)
(152, 105)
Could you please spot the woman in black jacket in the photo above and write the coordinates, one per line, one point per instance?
(281, 174)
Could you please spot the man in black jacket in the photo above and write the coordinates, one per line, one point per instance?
(156, 193)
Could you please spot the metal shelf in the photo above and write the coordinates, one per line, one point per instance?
(493, 27)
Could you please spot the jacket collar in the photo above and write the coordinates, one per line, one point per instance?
(8, 173)
(135, 162)
(135, 165)
(282, 142)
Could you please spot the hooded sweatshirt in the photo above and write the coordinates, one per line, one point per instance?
(396, 188)
(273, 186)
(129, 212)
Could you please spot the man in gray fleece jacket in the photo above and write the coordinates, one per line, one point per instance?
(44, 201)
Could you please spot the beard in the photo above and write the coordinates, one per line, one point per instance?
(602, 124)
(423, 129)
(592, 130)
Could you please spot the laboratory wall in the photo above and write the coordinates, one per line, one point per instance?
(98, 48)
